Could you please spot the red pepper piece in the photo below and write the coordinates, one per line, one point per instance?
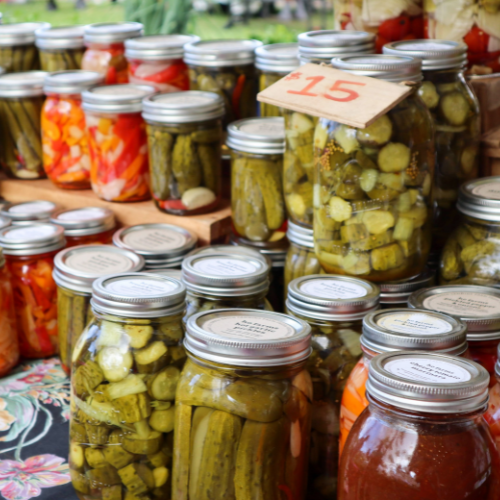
(477, 40)
(395, 29)
(238, 89)
(417, 27)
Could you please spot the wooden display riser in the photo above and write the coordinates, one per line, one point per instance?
(209, 227)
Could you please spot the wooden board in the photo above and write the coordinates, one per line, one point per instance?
(209, 227)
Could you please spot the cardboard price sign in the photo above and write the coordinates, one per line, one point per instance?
(337, 95)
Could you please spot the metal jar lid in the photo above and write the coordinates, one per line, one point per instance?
(85, 221)
(434, 54)
(111, 32)
(332, 297)
(71, 81)
(224, 275)
(397, 292)
(26, 84)
(221, 53)
(76, 268)
(480, 198)
(300, 235)
(389, 68)
(280, 58)
(32, 239)
(428, 382)
(246, 337)
(161, 245)
(28, 212)
(257, 135)
(60, 37)
(122, 98)
(183, 107)
(5, 221)
(158, 47)
(232, 249)
(477, 306)
(138, 295)
(273, 251)
(171, 273)
(19, 33)
(413, 330)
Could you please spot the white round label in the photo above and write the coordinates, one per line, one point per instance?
(333, 289)
(31, 233)
(140, 287)
(490, 191)
(32, 207)
(414, 323)
(464, 304)
(98, 262)
(154, 239)
(220, 266)
(81, 214)
(433, 371)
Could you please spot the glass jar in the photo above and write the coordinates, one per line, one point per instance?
(66, 157)
(274, 62)
(28, 212)
(125, 369)
(424, 423)
(396, 293)
(105, 52)
(373, 186)
(225, 67)
(492, 415)
(61, 48)
(117, 141)
(397, 330)
(258, 208)
(162, 246)
(334, 307)
(86, 226)
(184, 138)
(21, 101)
(29, 251)
(243, 413)
(157, 61)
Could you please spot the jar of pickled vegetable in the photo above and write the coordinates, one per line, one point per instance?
(423, 434)
(274, 62)
(21, 101)
(86, 226)
(334, 307)
(158, 61)
(397, 330)
(125, 369)
(28, 212)
(258, 207)
(61, 48)
(163, 246)
(373, 186)
(396, 293)
(105, 52)
(492, 415)
(243, 407)
(225, 67)
(66, 157)
(118, 141)
(29, 251)
(184, 137)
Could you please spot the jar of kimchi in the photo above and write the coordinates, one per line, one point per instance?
(28, 212)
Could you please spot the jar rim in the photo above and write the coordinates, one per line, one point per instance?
(221, 53)
(119, 98)
(72, 81)
(112, 32)
(25, 84)
(29, 211)
(480, 198)
(158, 47)
(280, 58)
(31, 239)
(20, 33)
(60, 37)
(86, 220)
(257, 135)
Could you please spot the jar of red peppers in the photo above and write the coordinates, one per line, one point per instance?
(423, 434)
(66, 157)
(86, 226)
(105, 52)
(396, 293)
(28, 212)
(117, 141)
(29, 252)
(492, 415)
(158, 61)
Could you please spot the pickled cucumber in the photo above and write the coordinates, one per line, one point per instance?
(51, 60)
(18, 58)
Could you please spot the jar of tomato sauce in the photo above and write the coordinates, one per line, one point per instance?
(396, 293)
(396, 330)
(28, 212)
(492, 415)
(423, 434)
(29, 251)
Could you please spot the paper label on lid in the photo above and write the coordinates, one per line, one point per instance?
(220, 266)
(153, 240)
(134, 287)
(333, 289)
(31, 233)
(98, 262)
(32, 207)
(81, 214)
(415, 323)
(464, 304)
(434, 371)
(490, 191)
(249, 327)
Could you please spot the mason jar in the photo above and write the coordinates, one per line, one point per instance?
(125, 369)
(243, 407)
(492, 415)
(28, 212)
(396, 293)
(75, 269)
(184, 139)
(334, 307)
(373, 186)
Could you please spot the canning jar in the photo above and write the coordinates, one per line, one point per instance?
(163, 246)
(492, 415)
(184, 139)
(274, 62)
(118, 141)
(125, 369)
(61, 47)
(29, 251)
(373, 186)
(423, 434)
(28, 212)
(21, 101)
(105, 52)
(225, 67)
(258, 208)
(334, 307)
(66, 157)
(397, 330)
(86, 226)
(396, 293)
(243, 407)
(158, 61)
(17, 47)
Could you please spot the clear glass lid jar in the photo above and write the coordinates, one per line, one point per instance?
(396, 293)
(27, 212)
